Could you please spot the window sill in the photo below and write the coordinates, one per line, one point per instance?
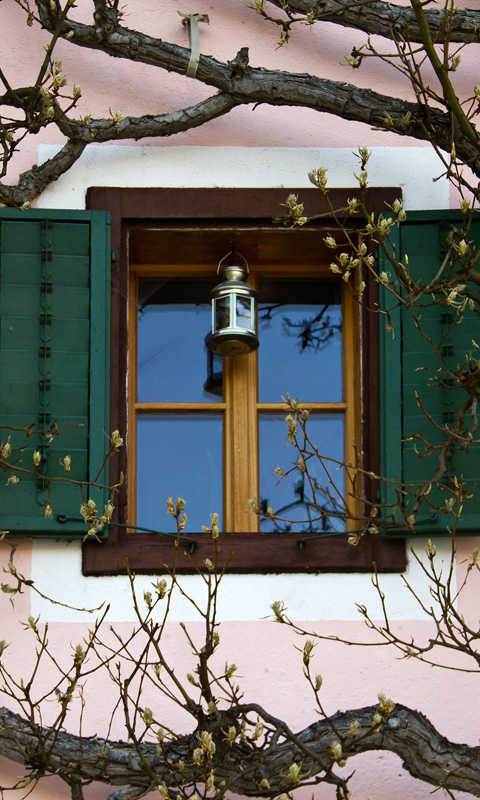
(246, 553)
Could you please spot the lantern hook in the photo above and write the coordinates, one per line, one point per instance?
(231, 252)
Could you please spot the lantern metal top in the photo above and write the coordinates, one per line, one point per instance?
(234, 278)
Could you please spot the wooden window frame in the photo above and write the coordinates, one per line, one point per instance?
(139, 209)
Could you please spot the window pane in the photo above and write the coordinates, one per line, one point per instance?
(174, 318)
(291, 498)
(179, 456)
(300, 332)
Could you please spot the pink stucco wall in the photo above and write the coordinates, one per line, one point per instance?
(270, 666)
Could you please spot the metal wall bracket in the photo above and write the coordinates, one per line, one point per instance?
(191, 23)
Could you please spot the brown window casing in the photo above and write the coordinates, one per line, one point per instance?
(198, 222)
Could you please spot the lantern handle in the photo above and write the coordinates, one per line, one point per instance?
(229, 254)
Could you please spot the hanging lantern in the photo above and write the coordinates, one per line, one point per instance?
(234, 327)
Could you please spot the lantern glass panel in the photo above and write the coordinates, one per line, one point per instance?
(244, 312)
(222, 313)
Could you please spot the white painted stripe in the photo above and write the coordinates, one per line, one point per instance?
(411, 168)
(56, 569)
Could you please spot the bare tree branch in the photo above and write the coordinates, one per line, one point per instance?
(35, 180)
(104, 130)
(378, 17)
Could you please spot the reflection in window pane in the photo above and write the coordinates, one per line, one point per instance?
(222, 313)
(244, 316)
(291, 498)
(300, 341)
(173, 322)
(179, 456)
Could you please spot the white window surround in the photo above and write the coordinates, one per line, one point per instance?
(56, 565)
(56, 570)
(413, 169)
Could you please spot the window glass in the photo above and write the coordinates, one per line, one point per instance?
(300, 332)
(174, 318)
(180, 452)
(291, 497)
(179, 455)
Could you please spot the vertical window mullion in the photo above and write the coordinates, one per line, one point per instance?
(240, 442)
(241, 461)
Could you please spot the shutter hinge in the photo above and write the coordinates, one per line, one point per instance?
(46, 240)
(45, 384)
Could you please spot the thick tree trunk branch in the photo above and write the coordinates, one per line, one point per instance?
(36, 179)
(425, 754)
(378, 17)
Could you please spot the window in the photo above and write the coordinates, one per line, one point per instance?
(154, 227)
(212, 432)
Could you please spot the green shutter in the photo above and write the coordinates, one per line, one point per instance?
(54, 359)
(422, 237)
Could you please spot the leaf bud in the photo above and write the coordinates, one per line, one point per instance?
(5, 449)
(294, 773)
(336, 750)
(307, 651)
(258, 730)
